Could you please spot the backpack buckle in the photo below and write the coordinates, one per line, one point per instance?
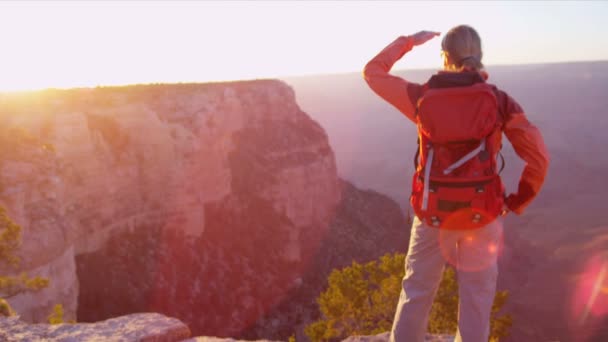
(476, 218)
(435, 221)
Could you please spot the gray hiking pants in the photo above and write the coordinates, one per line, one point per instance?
(474, 254)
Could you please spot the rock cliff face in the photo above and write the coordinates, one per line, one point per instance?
(366, 226)
(171, 198)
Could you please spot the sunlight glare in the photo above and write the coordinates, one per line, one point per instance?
(485, 252)
(492, 248)
(74, 44)
(593, 287)
(589, 302)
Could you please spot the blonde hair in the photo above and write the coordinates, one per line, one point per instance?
(462, 46)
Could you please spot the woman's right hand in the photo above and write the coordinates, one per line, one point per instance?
(423, 37)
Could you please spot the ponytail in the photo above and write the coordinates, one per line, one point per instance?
(471, 63)
(463, 48)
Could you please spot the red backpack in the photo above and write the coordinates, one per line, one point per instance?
(456, 184)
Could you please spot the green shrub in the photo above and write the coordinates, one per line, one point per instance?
(10, 241)
(56, 317)
(361, 300)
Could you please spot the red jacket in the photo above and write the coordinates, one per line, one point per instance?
(524, 136)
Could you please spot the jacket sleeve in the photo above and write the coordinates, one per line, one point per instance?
(393, 89)
(529, 145)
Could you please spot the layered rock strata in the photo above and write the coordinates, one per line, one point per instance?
(171, 198)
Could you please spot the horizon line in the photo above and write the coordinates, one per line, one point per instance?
(425, 68)
(277, 77)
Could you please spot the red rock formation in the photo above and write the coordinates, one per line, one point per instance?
(171, 197)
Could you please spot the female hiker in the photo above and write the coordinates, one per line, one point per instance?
(457, 193)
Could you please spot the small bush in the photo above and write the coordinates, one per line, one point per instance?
(361, 300)
(56, 317)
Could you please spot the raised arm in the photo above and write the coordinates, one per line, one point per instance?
(529, 145)
(393, 89)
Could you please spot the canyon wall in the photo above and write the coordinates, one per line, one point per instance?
(164, 196)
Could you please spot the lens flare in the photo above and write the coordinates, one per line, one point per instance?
(590, 300)
(592, 289)
(472, 250)
(492, 248)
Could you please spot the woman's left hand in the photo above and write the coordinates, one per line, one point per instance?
(505, 210)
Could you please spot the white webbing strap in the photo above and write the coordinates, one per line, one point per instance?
(466, 158)
(427, 176)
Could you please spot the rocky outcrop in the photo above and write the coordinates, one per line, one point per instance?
(384, 338)
(377, 338)
(171, 198)
(143, 327)
(219, 339)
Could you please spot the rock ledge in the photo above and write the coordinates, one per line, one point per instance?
(140, 327)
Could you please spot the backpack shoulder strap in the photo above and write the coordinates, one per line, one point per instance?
(425, 88)
(501, 115)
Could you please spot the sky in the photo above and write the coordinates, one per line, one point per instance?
(88, 43)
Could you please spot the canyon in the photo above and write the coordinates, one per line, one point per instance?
(226, 205)
(218, 204)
